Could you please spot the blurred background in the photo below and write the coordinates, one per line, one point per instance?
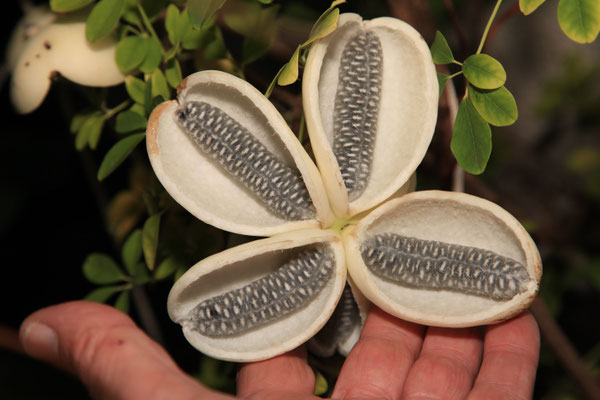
(544, 169)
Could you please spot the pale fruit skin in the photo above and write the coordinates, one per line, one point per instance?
(61, 47)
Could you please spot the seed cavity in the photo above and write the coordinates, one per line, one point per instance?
(436, 265)
(272, 297)
(227, 142)
(341, 324)
(355, 110)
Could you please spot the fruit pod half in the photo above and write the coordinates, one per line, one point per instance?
(370, 97)
(444, 259)
(225, 154)
(260, 299)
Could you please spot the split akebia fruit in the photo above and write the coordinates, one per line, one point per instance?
(370, 97)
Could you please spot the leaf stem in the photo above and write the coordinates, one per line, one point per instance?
(455, 74)
(488, 26)
(148, 25)
(301, 129)
(112, 111)
(457, 62)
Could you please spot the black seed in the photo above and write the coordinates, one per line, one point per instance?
(257, 304)
(355, 110)
(222, 138)
(450, 266)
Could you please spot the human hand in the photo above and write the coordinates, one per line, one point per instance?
(393, 359)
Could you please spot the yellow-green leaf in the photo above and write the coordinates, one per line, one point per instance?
(320, 384)
(440, 51)
(152, 56)
(442, 80)
(135, 88)
(579, 19)
(484, 71)
(129, 121)
(130, 53)
(101, 269)
(122, 302)
(496, 106)
(529, 6)
(103, 18)
(202, 10)
(289, 73)
(172, 23)
(132, 250)
(118, 153)
(326, 23)
(167, 268)
(150, 239)
(68, 5)
(159, 85)
(173, 73)
(324, 26)
(102, 294)
(471, 140)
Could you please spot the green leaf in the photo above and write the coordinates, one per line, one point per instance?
(78, 120)
(153, 55)
(103, 19)
(471, 140)
(579, 19)
(215, 49)
(173, 73)
(132, 251)
(101, 269)
(324, 26)
(326, 23)
(442, 80)
(320, 384)
(122, 302)
(440, 51)
(172, 24)
(102, 294)
(129, 121)
(148, 97)
(138, 109)
(95, 131)
(496, 106)
(141, 276)
(256, 24)
(202, 10)
(150, 239)
(265, 1)
(135, 88)
(89, 132)
(159, 85)
(529, 6)
(118, 153)
(289, 73)
(68, 5)
(167, 268)
(130, 53)
(484, 71)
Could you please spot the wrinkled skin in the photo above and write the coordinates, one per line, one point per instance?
(394, 359)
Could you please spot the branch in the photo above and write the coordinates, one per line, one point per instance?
(564, 349)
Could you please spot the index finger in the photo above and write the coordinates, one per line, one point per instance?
(510, 357)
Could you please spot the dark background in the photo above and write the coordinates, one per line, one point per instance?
(545, 170)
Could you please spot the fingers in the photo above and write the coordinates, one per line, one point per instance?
(378, 364)
(111, 356)
(510, 358)
(283, 377)
(447, 364)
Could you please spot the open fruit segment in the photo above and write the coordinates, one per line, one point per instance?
(444, 259)
(224, 153)
(262, 298)
(370, 96)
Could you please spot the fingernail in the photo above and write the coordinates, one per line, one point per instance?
(40, 341)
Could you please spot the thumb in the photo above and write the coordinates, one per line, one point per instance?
(108, 352)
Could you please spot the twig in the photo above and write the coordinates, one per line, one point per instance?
(508, 14)
(564, 350)
(9, 339)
